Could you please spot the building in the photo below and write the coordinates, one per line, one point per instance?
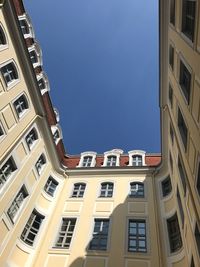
(116, 209)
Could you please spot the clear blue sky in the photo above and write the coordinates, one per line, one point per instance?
(101, 57)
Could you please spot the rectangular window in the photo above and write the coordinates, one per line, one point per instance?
(188, 18)
(24, 26)
(17, 203)
(106, 190)
(171, 56)
(87, 161)
(40, 164)
(137, 160)
(1, 131)
(182, 174)
(136, 190)
(198, 179)
(32, 227)
(174, 234)
(185, 81)
(182, 129)
(9, 73)
(111, 161)
(197, 237)
(65, 233)
(137, 236)
(100, 235)
(31, 138)
(180, 206)
(170, 95)
(166, 186)
(6, 171)
(50, 186)
(79, 189)
(172, 12)
(20, 105)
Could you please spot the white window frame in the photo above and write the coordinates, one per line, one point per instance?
(33, 141)
(39, 166)
(135, 153)
(106, 190)
(38, 53)
(31, 33)
(56, 114)
(114, 152)
(47, 186)
(88, 154)
(17, 204)
(13, 82)
(25, 110)
(11, 174)
(54, 129)
(3, 132)
(79, 190)
(43, 76)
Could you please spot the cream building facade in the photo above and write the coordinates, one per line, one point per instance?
(116, 209)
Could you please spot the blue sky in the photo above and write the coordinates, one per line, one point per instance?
(101, 57)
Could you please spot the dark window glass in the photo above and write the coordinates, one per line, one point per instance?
(6, 171)
(106, 190)
(171, 134)
(182, 174)
(2, 37)
(172, 12)
(41, 84)
(197, 237)
(171, 161)
(50, 186)
(174, 234)
(65, 233)
(33, 56)
(9, 73)
(198, 180)
(180, 206)
(24, 26)
(137, 160)
(166, 186)
(87, 161)
(31, 137)
(21, 105)
(137, 236)
(79, 190)
(185, 81)
(100, 235)
(182, 129)
(32, 227)
(111, 161)
(171, 56)
(188, 18)
(192, 263)
(170, 95)
(136, 189)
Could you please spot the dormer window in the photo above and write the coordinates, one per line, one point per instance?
(88, 159)
(35, 54)
(56, 132)
(136, 158)
(111, 160)
(26, 26)
(43, 83)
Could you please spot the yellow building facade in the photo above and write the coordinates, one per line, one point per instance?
(89, 210)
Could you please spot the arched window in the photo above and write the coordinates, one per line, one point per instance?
(111, 161)
(106, 190)
(2, 37)
(79, 189)
(21, 105)
(136, 189)
(136, 160)
(9, 73)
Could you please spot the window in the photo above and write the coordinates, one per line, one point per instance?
(65, 233)
(171, 162)
(172, 12)
(106, 190)
(32, 227)
(182, 174)
(20, 105)
(17, 203)
(24, 26)
(2, 37)
(33, 57)
(1, 130)
(31, 138)
(198, 180)
(166, 186)
(50, 186)
(9, 73)
(171, 56)
(170, 95)
(174, 234)
(100, 235)
(136, 189)
(56, 136)
(182, 129)
(197, 237)
(40, 164)
(6, 171)
(185, 81)
(171, 134)
(79, 190)
(111, 161)
(180, 206)
(87, 161)
(188, 18)
(137, 160)
(41, 84)
(137, 236)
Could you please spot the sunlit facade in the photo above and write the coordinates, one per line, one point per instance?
(117, 209)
